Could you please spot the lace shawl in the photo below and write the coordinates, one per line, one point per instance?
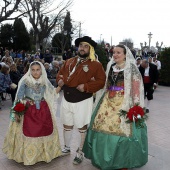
(133, 86)
(50, 96)
(50, 93)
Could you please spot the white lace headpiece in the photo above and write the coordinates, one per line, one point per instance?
(50, 93)
(133, 83)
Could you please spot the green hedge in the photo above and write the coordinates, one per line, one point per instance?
(102, 57)
(164, 57)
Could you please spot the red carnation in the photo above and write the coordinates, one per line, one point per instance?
(134, 111)
(19, 107)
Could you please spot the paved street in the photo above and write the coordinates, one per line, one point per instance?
(158, 134)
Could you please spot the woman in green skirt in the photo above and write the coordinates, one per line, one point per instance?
(117, 136)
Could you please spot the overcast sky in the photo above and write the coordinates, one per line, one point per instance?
(121, 19)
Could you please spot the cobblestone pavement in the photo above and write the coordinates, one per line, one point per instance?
(158, 135)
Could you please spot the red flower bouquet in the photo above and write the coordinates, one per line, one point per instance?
(19, 108)
(135, 114)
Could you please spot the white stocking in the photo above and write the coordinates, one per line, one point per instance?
(148, 104)
(83, 135)
(67, 133)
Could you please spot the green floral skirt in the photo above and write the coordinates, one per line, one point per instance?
(109, 151)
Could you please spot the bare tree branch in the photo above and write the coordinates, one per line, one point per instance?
(5, 13)
(43, 17)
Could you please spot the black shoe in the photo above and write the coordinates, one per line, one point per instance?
(147, 110)
(79, 157)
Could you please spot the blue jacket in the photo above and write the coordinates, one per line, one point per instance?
(5, 82)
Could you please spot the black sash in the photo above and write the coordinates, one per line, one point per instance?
(73, 95)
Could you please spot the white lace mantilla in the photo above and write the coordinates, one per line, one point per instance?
(133, 86)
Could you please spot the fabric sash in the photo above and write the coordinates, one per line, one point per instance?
(146, 79)
(73, 95)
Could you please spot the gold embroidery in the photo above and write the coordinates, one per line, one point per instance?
(107, 120)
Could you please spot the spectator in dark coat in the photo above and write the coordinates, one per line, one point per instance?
(48, 58)
(5, 82)
(20, 66)
(14, 74)
(41, 54)
(149, 74)
(69, 54)
(47, 69)
(55, 68)
(64, 55)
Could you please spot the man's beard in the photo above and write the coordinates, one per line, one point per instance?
(85, 55)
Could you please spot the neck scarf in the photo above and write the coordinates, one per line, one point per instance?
(92, 52)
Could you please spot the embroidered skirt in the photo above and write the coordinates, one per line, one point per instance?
(35, 138)
(106, 143)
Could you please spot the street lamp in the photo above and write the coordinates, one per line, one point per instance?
(141, 44)
(80, 29)
(100, 38)
(150, 36)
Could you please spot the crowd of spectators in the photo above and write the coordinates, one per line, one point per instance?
(14, 65)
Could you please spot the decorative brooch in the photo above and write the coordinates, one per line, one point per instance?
(85, 68)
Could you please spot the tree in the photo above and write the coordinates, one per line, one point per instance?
(32, 39)
(60, 41)
(9, 7)
(165, 67)
(102, 57)
(21, 35)
(128, 42)
(6, 37)
(68, 28)
(42, 17)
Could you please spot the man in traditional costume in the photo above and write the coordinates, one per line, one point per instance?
(79, 77)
